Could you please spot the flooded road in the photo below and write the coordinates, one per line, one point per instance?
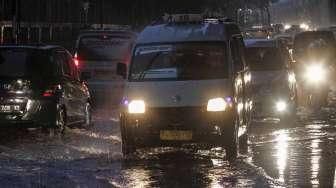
(301, 156)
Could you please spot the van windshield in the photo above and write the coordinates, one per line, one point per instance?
(182, 61)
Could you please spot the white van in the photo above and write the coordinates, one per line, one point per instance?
(97, 55)
(186, 85)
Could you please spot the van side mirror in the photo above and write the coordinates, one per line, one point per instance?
(84, 76)
(122, 70)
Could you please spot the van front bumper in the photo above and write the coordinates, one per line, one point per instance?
(172, 126)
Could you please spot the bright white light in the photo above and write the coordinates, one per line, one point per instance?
(304, 26)
(291, 78)
(240, 107)
(287, 26)
(315, 73)
(216, 105)
(247, 78)
(136, 107)
(281, 106)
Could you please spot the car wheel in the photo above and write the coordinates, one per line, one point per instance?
(231, 141)
(88, 116)
(127, 145)
(59, 125)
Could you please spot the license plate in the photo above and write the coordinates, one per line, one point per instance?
(176, 135)
(5, 108)
(9, 108)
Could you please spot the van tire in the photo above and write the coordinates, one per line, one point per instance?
(231, 142)
(127, 141)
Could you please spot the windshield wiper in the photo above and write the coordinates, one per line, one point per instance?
(149, 65)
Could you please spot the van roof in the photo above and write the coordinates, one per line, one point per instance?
(187, 32)
(107, 32)
(31, 46)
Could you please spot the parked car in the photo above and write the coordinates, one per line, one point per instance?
(40, 87)
(97, 54)
(184, 87)
(272, 80)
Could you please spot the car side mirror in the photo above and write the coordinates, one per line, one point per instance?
(122, 70)
(85, 76)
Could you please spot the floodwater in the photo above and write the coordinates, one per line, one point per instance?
(303, 155)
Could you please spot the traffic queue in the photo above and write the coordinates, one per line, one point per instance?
(183, 79)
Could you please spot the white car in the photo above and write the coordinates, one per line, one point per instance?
(185, 85)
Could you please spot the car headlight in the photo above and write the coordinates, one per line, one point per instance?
(315, 73)
(136, 107)
(281, 106)
(291, 78)
(216, 105)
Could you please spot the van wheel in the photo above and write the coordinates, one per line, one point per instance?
(231, 142)
(127, 145)
(243, 145)
(88, 116)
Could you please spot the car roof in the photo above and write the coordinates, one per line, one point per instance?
(187, 32)
(260, 43)
(37, 46)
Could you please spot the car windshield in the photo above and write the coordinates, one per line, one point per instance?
(265, 58)
(188, 61)
(20, 62)
(104, 48)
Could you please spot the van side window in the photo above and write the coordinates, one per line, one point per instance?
(237, 51)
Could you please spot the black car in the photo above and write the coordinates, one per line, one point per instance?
(40, 87)
(273, 80)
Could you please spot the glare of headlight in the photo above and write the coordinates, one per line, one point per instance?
(291, 78)
(315, 73)
(287, 26)
(304, 26)
(136, 107)
(216, 105)
(281, 106)
(247, 78)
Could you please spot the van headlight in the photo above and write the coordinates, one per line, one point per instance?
(136, 107)
(315, 73)
(281, 106)
(216, 105)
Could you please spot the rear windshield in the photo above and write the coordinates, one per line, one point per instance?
(265, 58)
(20, 62)
(104, 48)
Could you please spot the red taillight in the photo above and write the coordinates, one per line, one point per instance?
(76, 60)
(50, 92)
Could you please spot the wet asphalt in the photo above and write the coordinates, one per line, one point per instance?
(300, 155)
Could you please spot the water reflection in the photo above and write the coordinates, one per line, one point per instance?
(315, 161)
(334, 184)
(281, 153)
(138, 178)
(299, 157)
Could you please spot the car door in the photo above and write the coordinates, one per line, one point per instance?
(67, 85)
(79, 91)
